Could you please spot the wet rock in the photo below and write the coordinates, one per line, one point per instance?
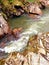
(4, 27)
(18, 5)
(41, 6)
(44, 37)
(34, 9)
(11, 36)
(1, 32)
(12, 9)
(16, 32)
(33, 44)
(2, 45)
(29, 59)
(17, 8)
(44, 3)
(39, 43)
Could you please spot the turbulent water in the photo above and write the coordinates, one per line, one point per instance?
(30, 27)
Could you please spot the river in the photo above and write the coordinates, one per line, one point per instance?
(30, 26)
(41, 24)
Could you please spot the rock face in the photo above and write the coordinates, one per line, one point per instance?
(16, 7)
(4, 27)
(44, 3)
(30, 59)
(40, 44)
(12, 9)
(44, 38)
(34, 9)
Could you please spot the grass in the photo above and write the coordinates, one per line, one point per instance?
(31, 0)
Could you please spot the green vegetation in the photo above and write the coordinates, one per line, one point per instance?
(31, 0)
(8, 7)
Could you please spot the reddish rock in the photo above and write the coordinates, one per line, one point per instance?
(16, 32)
(34, 9)
(4, 27)
(44, 3)
(2, 45)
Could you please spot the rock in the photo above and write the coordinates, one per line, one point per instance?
(44, 37)
(34, 9)
(1, 32)
(4, 27)
(2, 45)
(16, 32)
(44, 3)
(39, 42)
(12, 8)
(29, 59)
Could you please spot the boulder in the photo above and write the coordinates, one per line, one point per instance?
(4, 27)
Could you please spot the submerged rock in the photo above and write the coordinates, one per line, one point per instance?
(6, 31)
(34, 9)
